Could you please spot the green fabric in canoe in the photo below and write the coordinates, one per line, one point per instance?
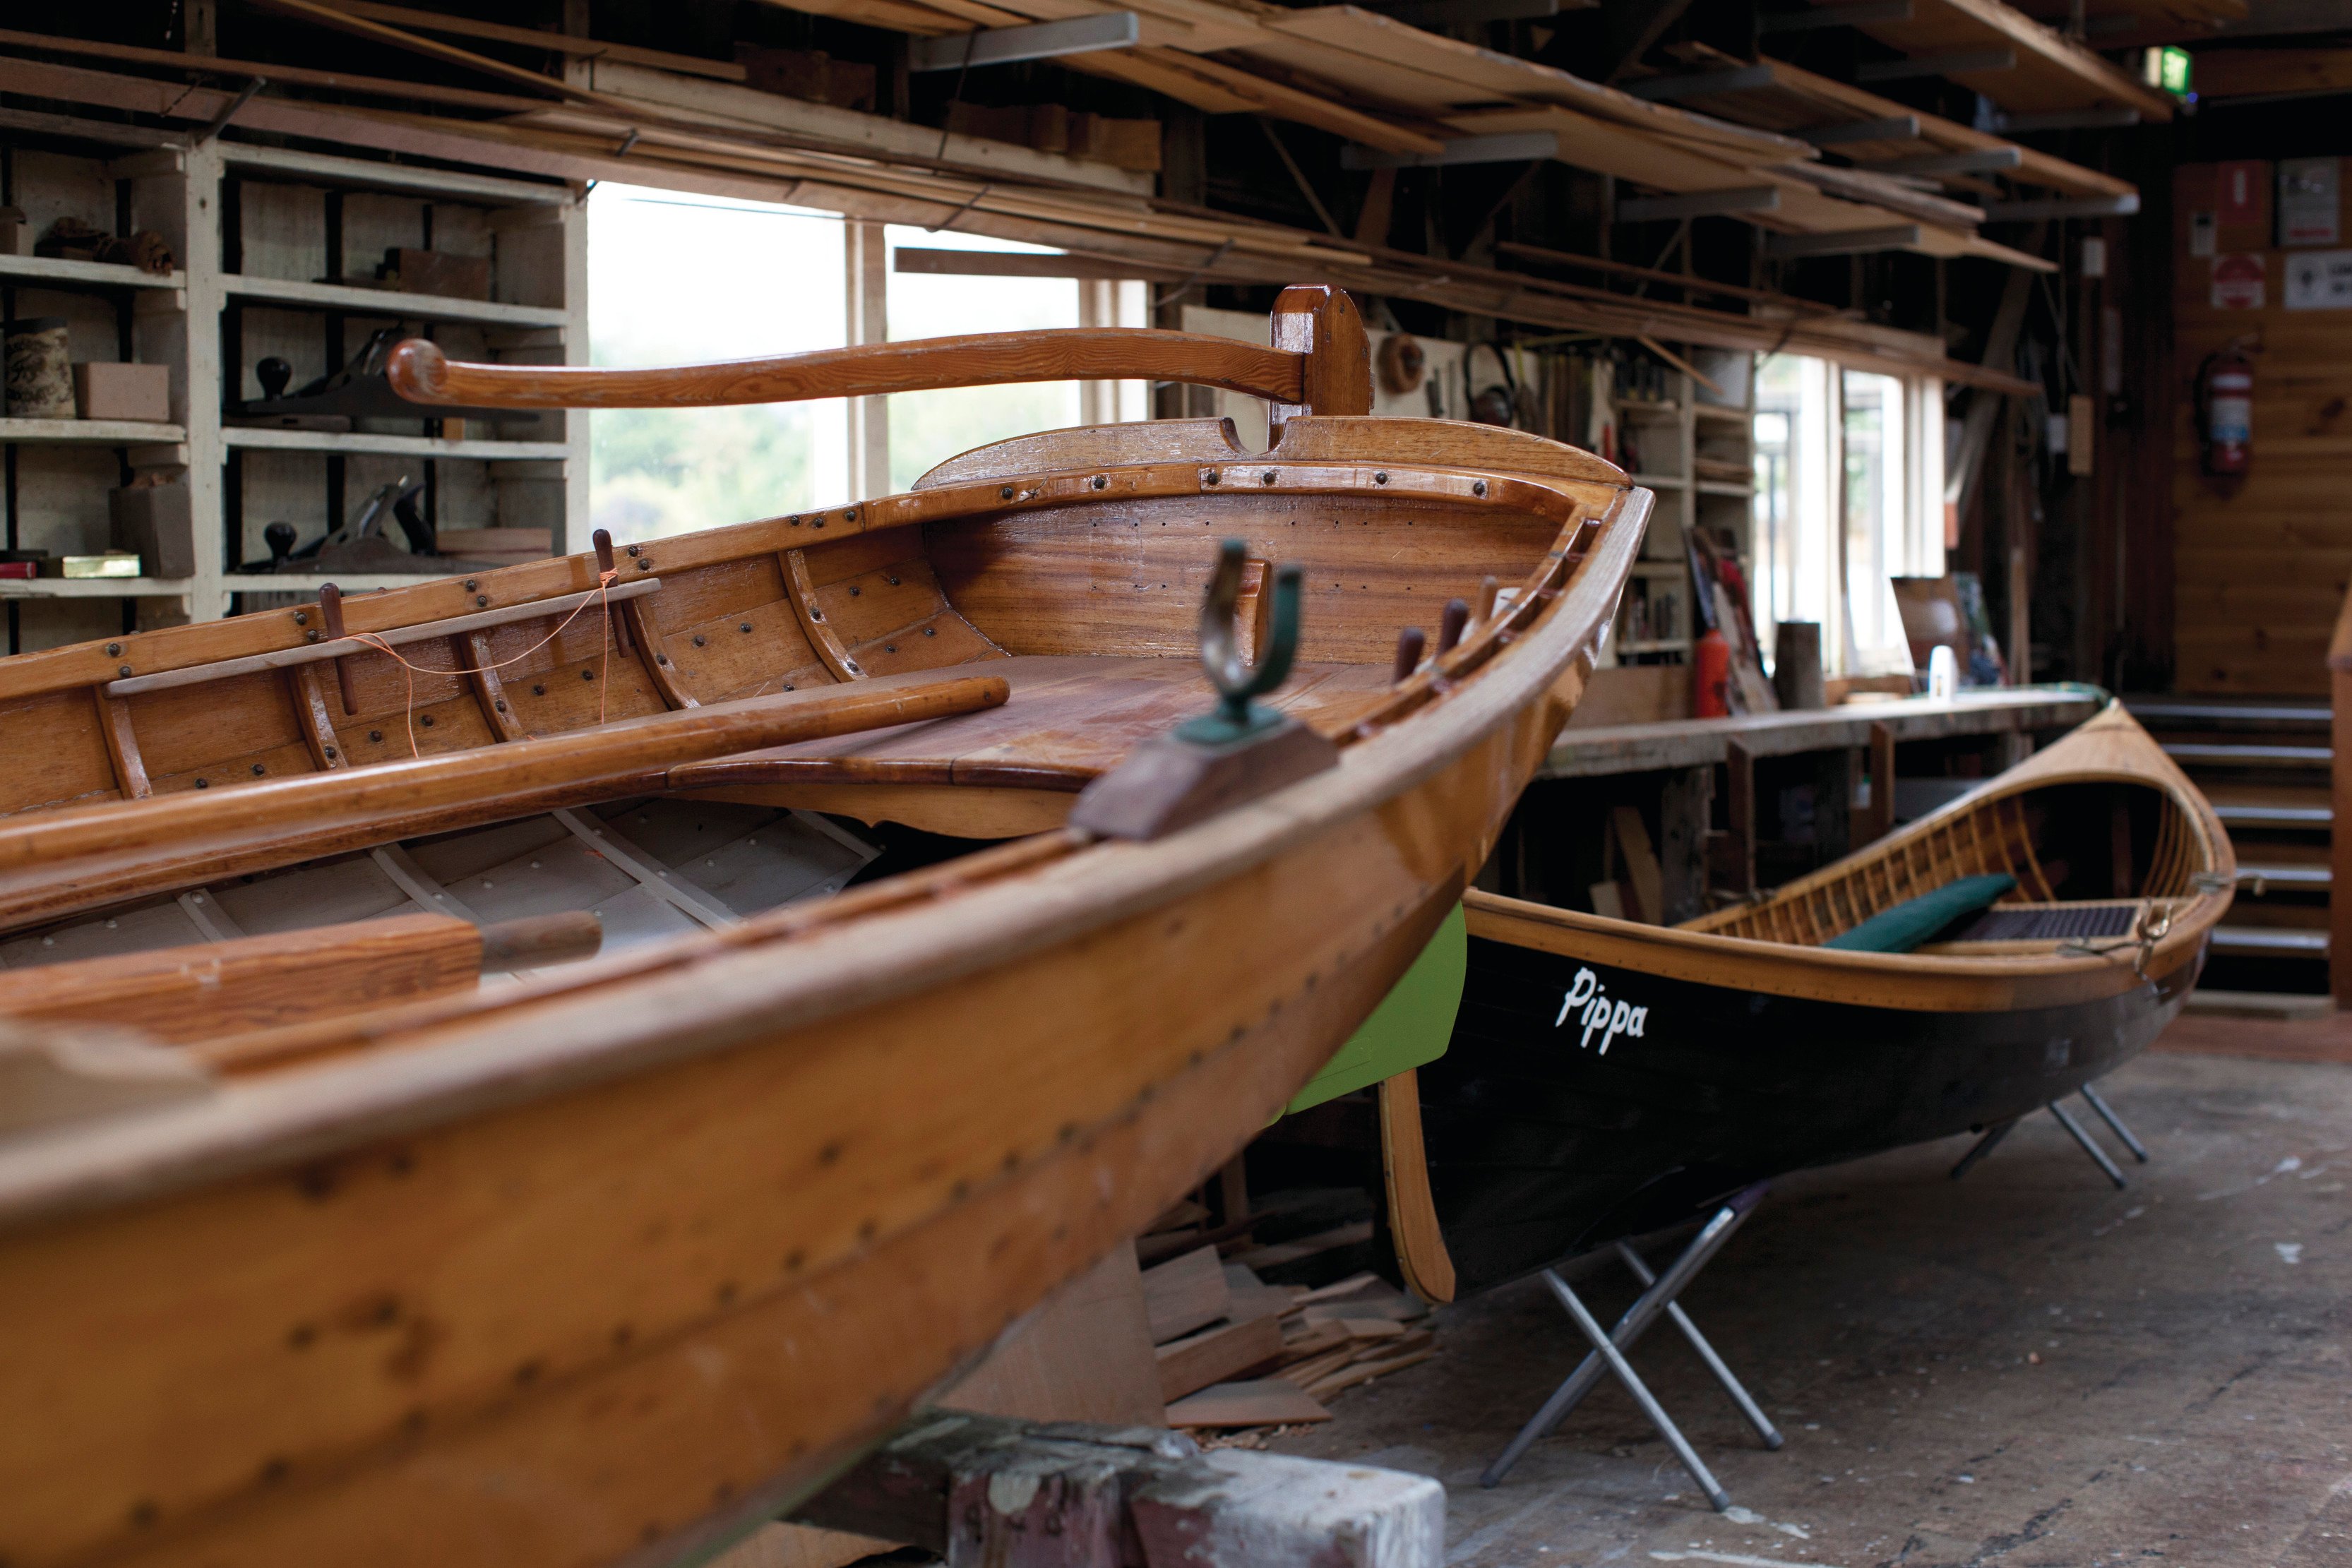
(1412, 1026)
(1915, 920)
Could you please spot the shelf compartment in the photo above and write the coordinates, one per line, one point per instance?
(89, 433)
(257, 439)
(388, 304)
(59, 272)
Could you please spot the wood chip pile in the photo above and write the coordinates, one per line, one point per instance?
(1235, 1352)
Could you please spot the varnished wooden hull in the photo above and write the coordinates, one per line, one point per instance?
(1540, 1148)
(1722, 1059)
(598, 1267)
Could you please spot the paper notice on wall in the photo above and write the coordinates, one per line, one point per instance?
(2238, 282)
(2306, 202)
(2203, 233)
(2319, 280)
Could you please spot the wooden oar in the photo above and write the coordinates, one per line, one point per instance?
(179, 995)
(1319, 364)
(56, 863)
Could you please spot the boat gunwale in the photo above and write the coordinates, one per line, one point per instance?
(561, 1034)
(445, 598)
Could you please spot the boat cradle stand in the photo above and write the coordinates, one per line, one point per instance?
(1608, 1353)
(2097, 1102)
(984, 1492)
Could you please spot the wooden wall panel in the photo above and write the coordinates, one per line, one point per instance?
(2262, 562)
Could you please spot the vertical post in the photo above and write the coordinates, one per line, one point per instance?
(1739, 816)
(1684, 802)
(2339, 832)
(217, 536)
(578, 69)
(1834, 774)
(867, 282)
(1097, 306)
(1321, 322)
(1881, 820)
(2018, 516)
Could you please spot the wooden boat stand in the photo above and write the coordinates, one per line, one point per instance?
(985, 1490)
(2000, 1130)
(1608, 1353)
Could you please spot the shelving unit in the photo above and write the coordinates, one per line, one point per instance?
(253, 231)
(1684, 446)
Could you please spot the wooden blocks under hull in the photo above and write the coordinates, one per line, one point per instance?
(979, 1489)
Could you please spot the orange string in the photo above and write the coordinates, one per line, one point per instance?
(410, 672)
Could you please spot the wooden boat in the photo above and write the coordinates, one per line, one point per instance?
(1607, 1078)
(605, 1264)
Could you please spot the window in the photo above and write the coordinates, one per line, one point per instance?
(1827, 550)
(682, 278)
(927, 428)
(679, 278)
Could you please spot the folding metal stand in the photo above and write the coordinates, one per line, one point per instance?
(2000, 1130)
(1608, 1353)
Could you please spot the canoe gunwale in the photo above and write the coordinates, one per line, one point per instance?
(1910, 982)
(557, 1034)
(1915, 981)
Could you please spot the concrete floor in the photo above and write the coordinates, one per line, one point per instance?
(2192, 1402)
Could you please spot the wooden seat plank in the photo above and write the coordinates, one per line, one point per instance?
(1069, 717)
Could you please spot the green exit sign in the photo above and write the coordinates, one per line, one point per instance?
(2167, 68)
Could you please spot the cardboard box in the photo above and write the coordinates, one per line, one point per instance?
(104, 390)
(437, 272)
(156, 522)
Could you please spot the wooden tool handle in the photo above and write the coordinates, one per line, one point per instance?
(538, 940)
(420, 373)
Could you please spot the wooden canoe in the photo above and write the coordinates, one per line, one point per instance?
(607, 1264)
(1734, 1048)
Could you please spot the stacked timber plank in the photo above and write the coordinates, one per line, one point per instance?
(1235, 1353)
(1402, 89)
(1902, 141)
(2019, 63)
(639, 116)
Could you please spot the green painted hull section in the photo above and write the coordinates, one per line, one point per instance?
(1410, 1026)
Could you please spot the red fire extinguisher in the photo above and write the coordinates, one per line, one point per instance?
(2225, 409)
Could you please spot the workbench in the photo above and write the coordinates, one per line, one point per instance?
(1688, 814)
(1584, 753)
